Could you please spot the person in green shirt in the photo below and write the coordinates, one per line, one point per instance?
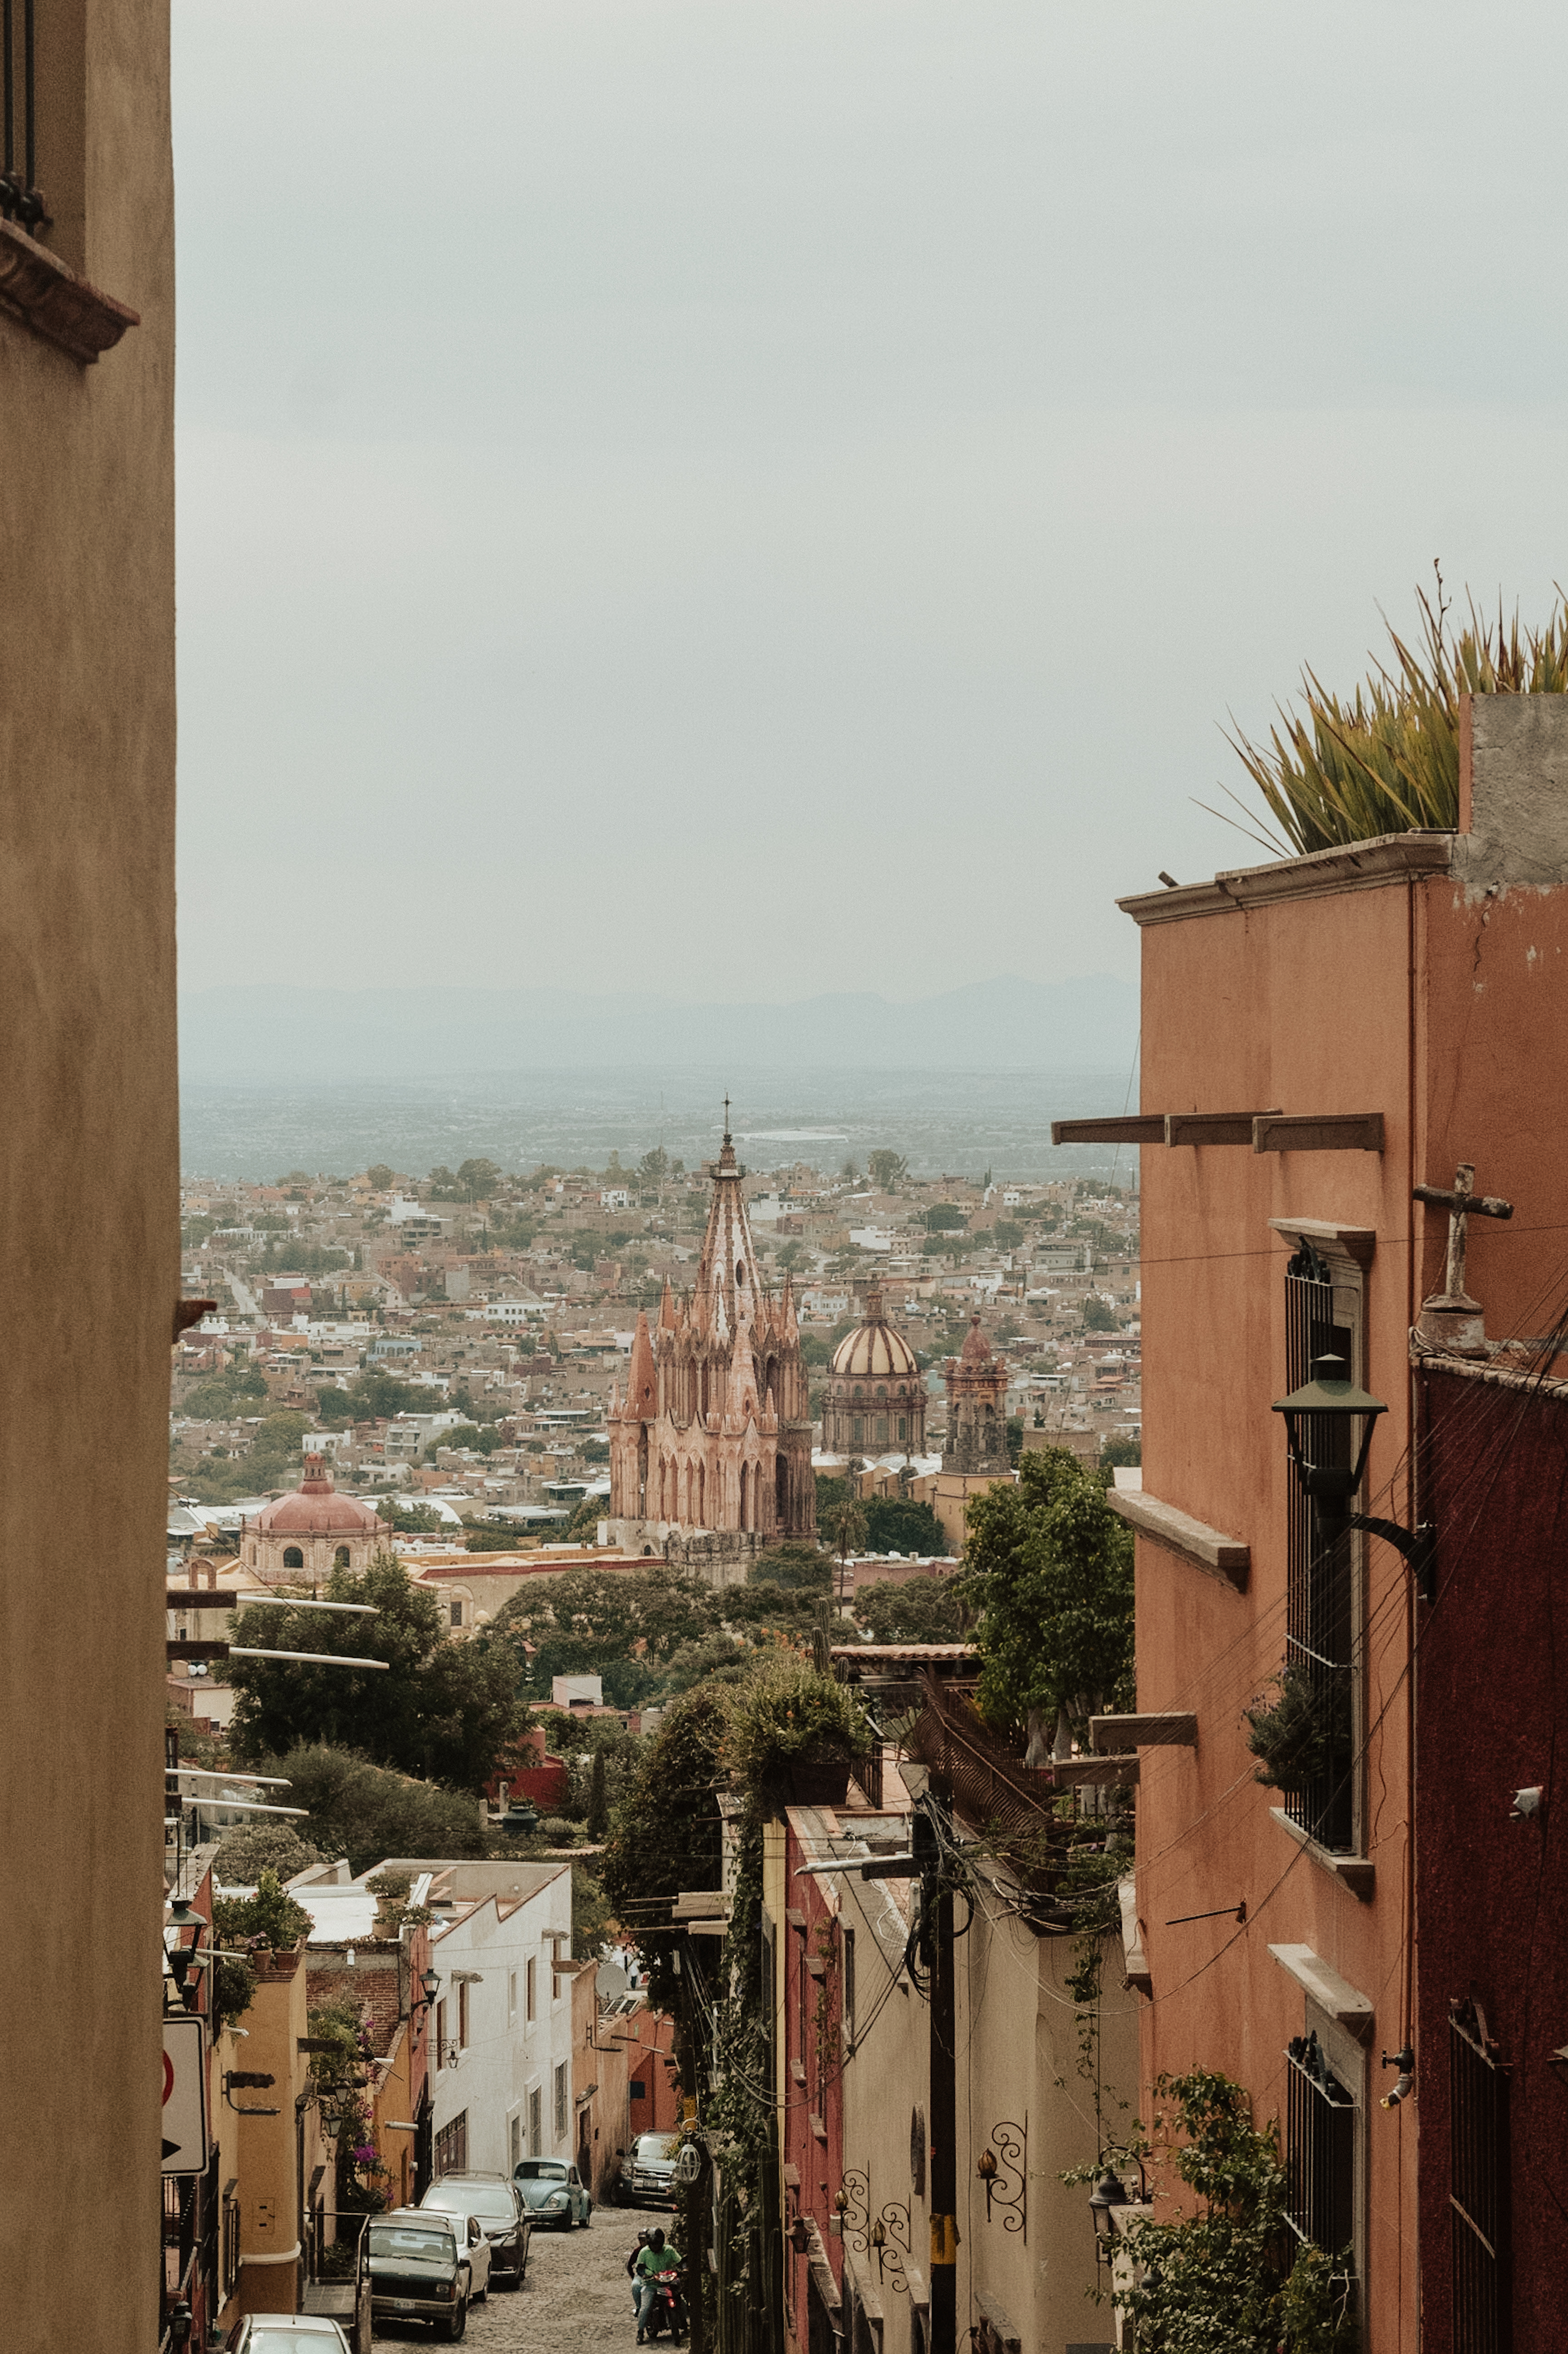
(660, 2256)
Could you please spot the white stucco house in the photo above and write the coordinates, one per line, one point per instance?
(501, 2055)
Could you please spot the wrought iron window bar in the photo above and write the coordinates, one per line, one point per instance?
(21, 199)
(1477, 2199)
(1318, 1630)
(1320, 2149)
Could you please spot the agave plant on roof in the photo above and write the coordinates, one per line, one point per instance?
(1385, 759)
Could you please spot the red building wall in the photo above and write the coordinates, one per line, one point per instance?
(1490, 1893)
(812, 2123)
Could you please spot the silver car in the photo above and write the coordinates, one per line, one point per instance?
(287, 2333)
(500, 2210)
(427, 2267)
(648, 2172)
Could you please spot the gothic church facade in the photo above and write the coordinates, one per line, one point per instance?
(710, 1450)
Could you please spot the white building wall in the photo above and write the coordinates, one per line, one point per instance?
(508, 2057)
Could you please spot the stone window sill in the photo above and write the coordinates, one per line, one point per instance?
(36, 289)
(1352, 1871)
(1211, 1549)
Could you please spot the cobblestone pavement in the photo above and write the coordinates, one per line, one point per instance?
(577, 2295)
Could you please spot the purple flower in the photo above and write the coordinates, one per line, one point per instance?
(365, 2154)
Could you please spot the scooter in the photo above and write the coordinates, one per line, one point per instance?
(666, 2311)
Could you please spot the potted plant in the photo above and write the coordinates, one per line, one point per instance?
(269, 1926)
(1302, 1733)
(792, 1733)
(390, 1890)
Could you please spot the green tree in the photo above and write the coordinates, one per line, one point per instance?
(367, 1813)
(792, 1563)
(598, 1800)
(1099, 1316)
(1233, 2274)
(478, 1179)
(439, 1707)
(910, 1610)
(845, 1528)
(887, 1170)
(945, 1218)
(1007, 1233)
(666, 1835)
(243, 1855)
(901, 1524)
(223, 1397)
(608, 1623)
(380, 1176)
(1125, 1449)
(654, 1166)
(1049, 1570)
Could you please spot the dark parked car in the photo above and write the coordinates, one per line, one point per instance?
(422, 2267)
(554, 2191)
(502, 2211)
(647, 2171)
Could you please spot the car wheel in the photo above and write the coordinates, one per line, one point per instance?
(459, 2322)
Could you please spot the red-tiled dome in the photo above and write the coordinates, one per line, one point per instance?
(315, 1508)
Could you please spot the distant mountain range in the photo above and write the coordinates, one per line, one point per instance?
(276, 1031)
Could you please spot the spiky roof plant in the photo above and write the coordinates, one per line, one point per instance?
(1387, 758)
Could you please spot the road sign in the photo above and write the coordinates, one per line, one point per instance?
(185, 2096)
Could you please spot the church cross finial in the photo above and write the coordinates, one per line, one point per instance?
(1461, 1203)
(726, 1120)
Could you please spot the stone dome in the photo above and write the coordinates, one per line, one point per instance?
(315, 1508)
(311, 1533)
(874, 1350)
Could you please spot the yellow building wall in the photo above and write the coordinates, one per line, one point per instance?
(271, 2250)
(89, 1164)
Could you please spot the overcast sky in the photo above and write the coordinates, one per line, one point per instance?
(780, 497)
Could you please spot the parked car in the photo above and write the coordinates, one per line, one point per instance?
(502, 2211)
(427, 2267)
(555, 2192)
(286, 2333)
(647, 2171)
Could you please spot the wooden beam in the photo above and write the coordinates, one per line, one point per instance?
(1213, 1126)
(196, 1650)
(1174, 1729)
(1305, 1131)
(1070, 1772)
(1147, 1127)
(197, 1598)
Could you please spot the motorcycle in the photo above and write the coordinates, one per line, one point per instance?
(666, 2311)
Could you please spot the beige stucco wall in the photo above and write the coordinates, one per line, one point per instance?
(270, 2243)
(89, 1178)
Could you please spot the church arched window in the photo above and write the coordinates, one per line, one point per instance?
(340, 1557)
(293, 1557)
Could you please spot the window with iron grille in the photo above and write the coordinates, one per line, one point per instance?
(451, 2146)
(535, 2124)
(21, 199)
(560, 2101)
(1320, 2149)
(1320, 1637)
(1478, 2178)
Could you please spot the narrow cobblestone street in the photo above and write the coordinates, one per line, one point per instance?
(576, 2297)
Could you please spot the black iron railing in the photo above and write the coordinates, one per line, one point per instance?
(1479, 2176)
(867, 1772)
(21, 199)
(1320, 2149)
(1319, 1621)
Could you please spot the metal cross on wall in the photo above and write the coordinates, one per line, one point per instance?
(1461, 1203)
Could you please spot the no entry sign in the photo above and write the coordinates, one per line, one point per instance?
(185, 2096)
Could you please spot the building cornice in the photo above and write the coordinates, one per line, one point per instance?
(1391, 858)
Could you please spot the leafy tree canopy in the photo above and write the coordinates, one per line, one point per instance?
(945, 1218)
(381, 1176)
(1099, 1316)
(243, 1855)
(442, 1707)
(886, 1169)
(224, 1397)
(617, 1624)
(666, 1833)
(372, 1396)
(792, 1563)
(910, 1610)
(903, 1525)
(365, 1813)
(1049, 1568)
(1129, 1449)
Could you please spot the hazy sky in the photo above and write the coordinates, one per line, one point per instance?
(778, 498)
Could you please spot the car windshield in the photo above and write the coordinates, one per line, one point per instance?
(541, 2170)
(408, 2242)
(295, 2341)
(655, 2149)
(494, 2203)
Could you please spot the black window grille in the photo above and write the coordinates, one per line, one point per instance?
(1479, 2170)
(1319, 1620)
(1319, 2150)
(20, 197)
